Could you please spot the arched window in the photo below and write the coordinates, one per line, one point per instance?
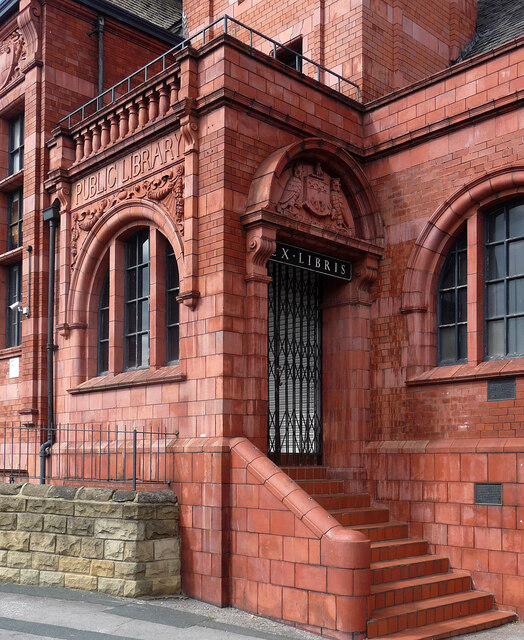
(138, 312)
(103, 328)
(452, 306)
(504, 282)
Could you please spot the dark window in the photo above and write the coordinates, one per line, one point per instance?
(172, 307)
(136, 346)
(13, 335)
(452, 306)
(290, 54)
(504, 282)
(16, 144)
(14, 214)
(103, 328)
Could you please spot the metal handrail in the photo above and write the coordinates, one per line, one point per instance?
(225, 20)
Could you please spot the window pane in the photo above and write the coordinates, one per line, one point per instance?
(515, 336)
(516, 296)
(495, 338)
(131, 352)
(495, 301)
(172, 342)
(516, 258)
(143, 316)
(448, 273)
(462, 347)
(496, 261)
(131, 284)
(516, 221)
(131, 317)
(173, 310)
(448, 349)
(462, 311)
(143, 341)
(496, 230)
(462, 267)
(104, 324)
(447, 312)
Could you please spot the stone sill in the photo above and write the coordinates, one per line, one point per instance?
(456, 445)
(465, 372)
(10, 352)
(130, 379)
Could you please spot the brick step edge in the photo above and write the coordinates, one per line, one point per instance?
(455, 627)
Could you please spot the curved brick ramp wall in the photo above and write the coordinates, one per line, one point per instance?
(252, 538)
(120, 542)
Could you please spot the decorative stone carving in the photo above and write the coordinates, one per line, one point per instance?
(12, 56)
(167, 187)
(29, 24)
(310, 190)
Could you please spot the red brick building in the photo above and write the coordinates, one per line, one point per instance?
(307, 255)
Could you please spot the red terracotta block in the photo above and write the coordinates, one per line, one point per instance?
(340, 581)
(474, 467)
(310, 577)
(282, 573)
(322, 610)
(513, 590)
(503, 562)
(502, 467)
(270, 546)
(352, 613)
(269, 600)
(475, 560)
(295, 605)
(297, 550)
(488, 538)
(258, 570)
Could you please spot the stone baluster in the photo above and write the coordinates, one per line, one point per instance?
(123, 122)
(153, 105)
(174, 92)
(79, 147)
(143, 112)
(163, 100)
(133, 117)
(88, 142)
(115, 127)
(105, 137)
(96, 138)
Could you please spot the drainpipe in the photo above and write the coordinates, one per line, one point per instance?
(99, 28)
(51, 215)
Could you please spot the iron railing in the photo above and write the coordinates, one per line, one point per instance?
(127, 454)
(231, 27)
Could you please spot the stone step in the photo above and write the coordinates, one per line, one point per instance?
(361, 516)
(321, 486)
(342, 500)
(381, 531)
(394, 549)
(306, 472)
(407, 568)
(389, 594)
(454, 627)
(424, 612)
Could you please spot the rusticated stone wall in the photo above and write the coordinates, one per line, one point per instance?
(120, 542)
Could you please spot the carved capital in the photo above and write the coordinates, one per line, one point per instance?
(29, 24)
(189, 298)
(189, 128)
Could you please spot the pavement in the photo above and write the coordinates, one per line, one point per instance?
(45, 613)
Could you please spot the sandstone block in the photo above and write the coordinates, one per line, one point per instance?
(134, 511)
(124, 496)
(3, 558)
(168, 548)
(29, 576)
(159, 529)
(44, 561)
(9, 489)
(130, 570)
(55, 524)
(162, 568)
(80, 526)
(112, 586)
(14, 540)
(35, 490)
(98, 509)
(7, 574)
(166, 586)
(19, 559)
(156, 497)
(94, 493)
(67, 493)
(79, 581)
(113, 550)
(30, 522)
(8, 521)
(70, 564)
(136, 588)
(43, 542)
(68, 546)
(167, 512)
(51, 579)
(92, 548)
(57, 507)
(12, 504)
(119, 529)
(105, 568)
(141, 551)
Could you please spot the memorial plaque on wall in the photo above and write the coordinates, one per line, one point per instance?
(501, 389)
(488, 493)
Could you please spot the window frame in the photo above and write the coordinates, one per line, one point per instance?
(103, 306)
(172, 293)
(138, 268)
(16, 146)
(18, 222)
(13, 317)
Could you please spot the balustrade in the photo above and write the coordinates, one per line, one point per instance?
(125, 117)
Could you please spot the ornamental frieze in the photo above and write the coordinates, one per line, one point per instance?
(311, 192)
(167, 188)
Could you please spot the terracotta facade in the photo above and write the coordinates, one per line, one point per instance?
(220, 153)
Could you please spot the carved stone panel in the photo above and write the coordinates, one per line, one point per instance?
(12, 55)
(310, 192)
(167, 187)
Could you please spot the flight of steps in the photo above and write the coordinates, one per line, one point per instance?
(414, 596)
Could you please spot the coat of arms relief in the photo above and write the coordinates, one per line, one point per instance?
(12, 54)
(310, 190)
